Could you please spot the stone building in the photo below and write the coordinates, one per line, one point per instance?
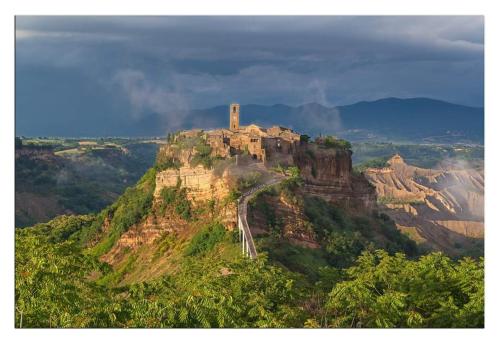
(262, 144)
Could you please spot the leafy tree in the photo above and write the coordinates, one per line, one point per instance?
(251, 294)
(202, 156)
(52, 289)
(392, 291)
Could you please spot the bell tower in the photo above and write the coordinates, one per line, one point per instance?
(234, 117)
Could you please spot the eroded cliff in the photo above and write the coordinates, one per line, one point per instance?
(442, 208)
(327, 173)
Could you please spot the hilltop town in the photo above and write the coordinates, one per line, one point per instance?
(219, 166)
(272, 144)
(195, 158)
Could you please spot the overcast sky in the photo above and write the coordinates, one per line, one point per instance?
(108, 67)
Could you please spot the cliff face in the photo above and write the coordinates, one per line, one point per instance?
(320, 166)
(327, 173)
(201, 184)
(439, 207)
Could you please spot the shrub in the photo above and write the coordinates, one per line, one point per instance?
(202, 156)
(380, 162)
(389, 199)
(234, 195)
(163, 163)
(206, 239)
(175, 197)
(332, 142)
(249, 180)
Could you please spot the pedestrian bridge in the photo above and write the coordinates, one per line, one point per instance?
(245, 235)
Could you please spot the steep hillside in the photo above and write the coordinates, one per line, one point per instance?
(442, 208)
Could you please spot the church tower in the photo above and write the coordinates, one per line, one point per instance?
(234, 117)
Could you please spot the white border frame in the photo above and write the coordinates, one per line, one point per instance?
(10, 8)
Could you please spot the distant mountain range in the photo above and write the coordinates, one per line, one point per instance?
(415, 119)
(390, 119)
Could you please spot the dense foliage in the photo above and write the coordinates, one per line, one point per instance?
(206, 239)
(55, 288)
(379, 162)
(392, 291)
(175, 198)
(164, 162)
(52, 289)
(344, 237)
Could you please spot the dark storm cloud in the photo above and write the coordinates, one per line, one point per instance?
(168, 64)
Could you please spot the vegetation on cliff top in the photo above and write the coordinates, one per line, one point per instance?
(331, 142)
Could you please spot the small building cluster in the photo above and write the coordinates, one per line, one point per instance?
(260, 143)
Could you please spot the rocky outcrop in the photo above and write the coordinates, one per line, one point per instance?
(322, 166)
(443, 207)
(327, 173)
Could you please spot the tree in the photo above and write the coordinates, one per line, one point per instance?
(392, 291)
(52, 289)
